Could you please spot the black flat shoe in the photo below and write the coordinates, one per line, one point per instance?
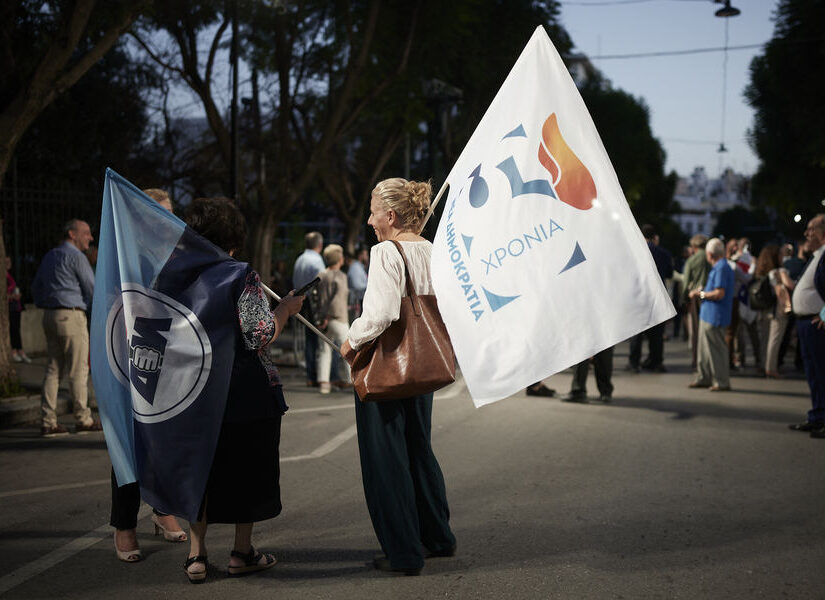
(818, 433)
(540, 390)
(442, 553)
(580, 398)
(806, 426)
(383, 564)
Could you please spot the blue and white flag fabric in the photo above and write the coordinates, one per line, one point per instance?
(538, 262)
(163, 337)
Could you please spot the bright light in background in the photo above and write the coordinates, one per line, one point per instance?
(797, 218)
(823, 202)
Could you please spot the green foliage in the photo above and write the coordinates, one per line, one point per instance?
(10, 387)
(786, 91)
(623, 122)
(99, 123)
(754, 224)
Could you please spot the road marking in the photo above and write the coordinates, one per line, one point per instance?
(58, 555)
(450, 392)
(326, 448)
(53, 488)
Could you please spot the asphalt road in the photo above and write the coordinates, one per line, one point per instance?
(664, 493)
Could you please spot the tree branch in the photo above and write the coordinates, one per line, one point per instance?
(214, 47)
(100, 48)
(156, 57)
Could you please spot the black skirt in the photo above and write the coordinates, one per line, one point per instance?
(244, 484)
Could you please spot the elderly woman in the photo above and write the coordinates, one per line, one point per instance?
(403, 484)
(243, 485)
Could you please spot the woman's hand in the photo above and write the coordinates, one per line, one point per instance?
(347, 352)
(292, 303)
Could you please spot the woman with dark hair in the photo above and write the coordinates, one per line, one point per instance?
(773, 321)
(403, 484)
(243, 485)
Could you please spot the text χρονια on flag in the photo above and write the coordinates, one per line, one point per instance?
(538, 262)
(163, 337)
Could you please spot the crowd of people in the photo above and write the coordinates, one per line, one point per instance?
(726, 300)
(729, 299)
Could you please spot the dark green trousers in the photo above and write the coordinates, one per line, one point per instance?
(403, 484)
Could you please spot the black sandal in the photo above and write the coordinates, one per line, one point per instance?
(195, 577)
(252, 562)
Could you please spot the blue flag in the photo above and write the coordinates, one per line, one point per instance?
(163, 337)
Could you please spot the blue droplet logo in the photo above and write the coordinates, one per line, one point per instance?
(479, 192)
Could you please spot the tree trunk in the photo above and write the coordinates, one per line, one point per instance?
(351, 232)
(262, 235)
(7, 372)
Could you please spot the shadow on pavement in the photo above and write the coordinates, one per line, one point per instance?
(688, 409)
(35, 442)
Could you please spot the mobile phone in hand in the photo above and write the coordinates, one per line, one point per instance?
(308, 286)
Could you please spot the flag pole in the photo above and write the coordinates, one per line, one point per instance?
(434, 204)
(300, 317)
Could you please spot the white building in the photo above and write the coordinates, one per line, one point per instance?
(702, 199)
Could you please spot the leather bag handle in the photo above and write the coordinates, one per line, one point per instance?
(410, 288)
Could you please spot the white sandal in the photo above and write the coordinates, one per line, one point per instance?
(129, 556)
(169, 536)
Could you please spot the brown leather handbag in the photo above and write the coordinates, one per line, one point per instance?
(412, 356)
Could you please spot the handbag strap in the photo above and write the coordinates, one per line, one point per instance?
(410, 288)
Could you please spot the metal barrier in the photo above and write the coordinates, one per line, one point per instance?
(33, 221)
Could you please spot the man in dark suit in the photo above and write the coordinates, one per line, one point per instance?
(809, 308)
(656, 334)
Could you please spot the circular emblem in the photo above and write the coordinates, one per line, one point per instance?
(159, 350)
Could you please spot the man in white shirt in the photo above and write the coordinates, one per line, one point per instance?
(809, 308)
(307, 268)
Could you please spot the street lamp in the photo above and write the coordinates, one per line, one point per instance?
(727, 10)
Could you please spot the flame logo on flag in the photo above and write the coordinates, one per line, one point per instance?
(571, 180)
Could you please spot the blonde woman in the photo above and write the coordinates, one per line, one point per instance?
(403, 483)
(333, 292)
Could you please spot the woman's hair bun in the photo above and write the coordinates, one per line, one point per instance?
(409, 199)
(420, 193)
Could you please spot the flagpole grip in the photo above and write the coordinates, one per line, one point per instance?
(300, 317)
(434, 203)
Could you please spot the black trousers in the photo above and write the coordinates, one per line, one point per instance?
(603, 367)
(656, 344)
(125, 505)
(14, 329)
(403, 483)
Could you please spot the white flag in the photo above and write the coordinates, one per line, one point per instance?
(538, 262)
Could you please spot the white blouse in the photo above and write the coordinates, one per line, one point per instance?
(386, 284)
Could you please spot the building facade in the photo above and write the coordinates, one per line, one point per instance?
(702, 199)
